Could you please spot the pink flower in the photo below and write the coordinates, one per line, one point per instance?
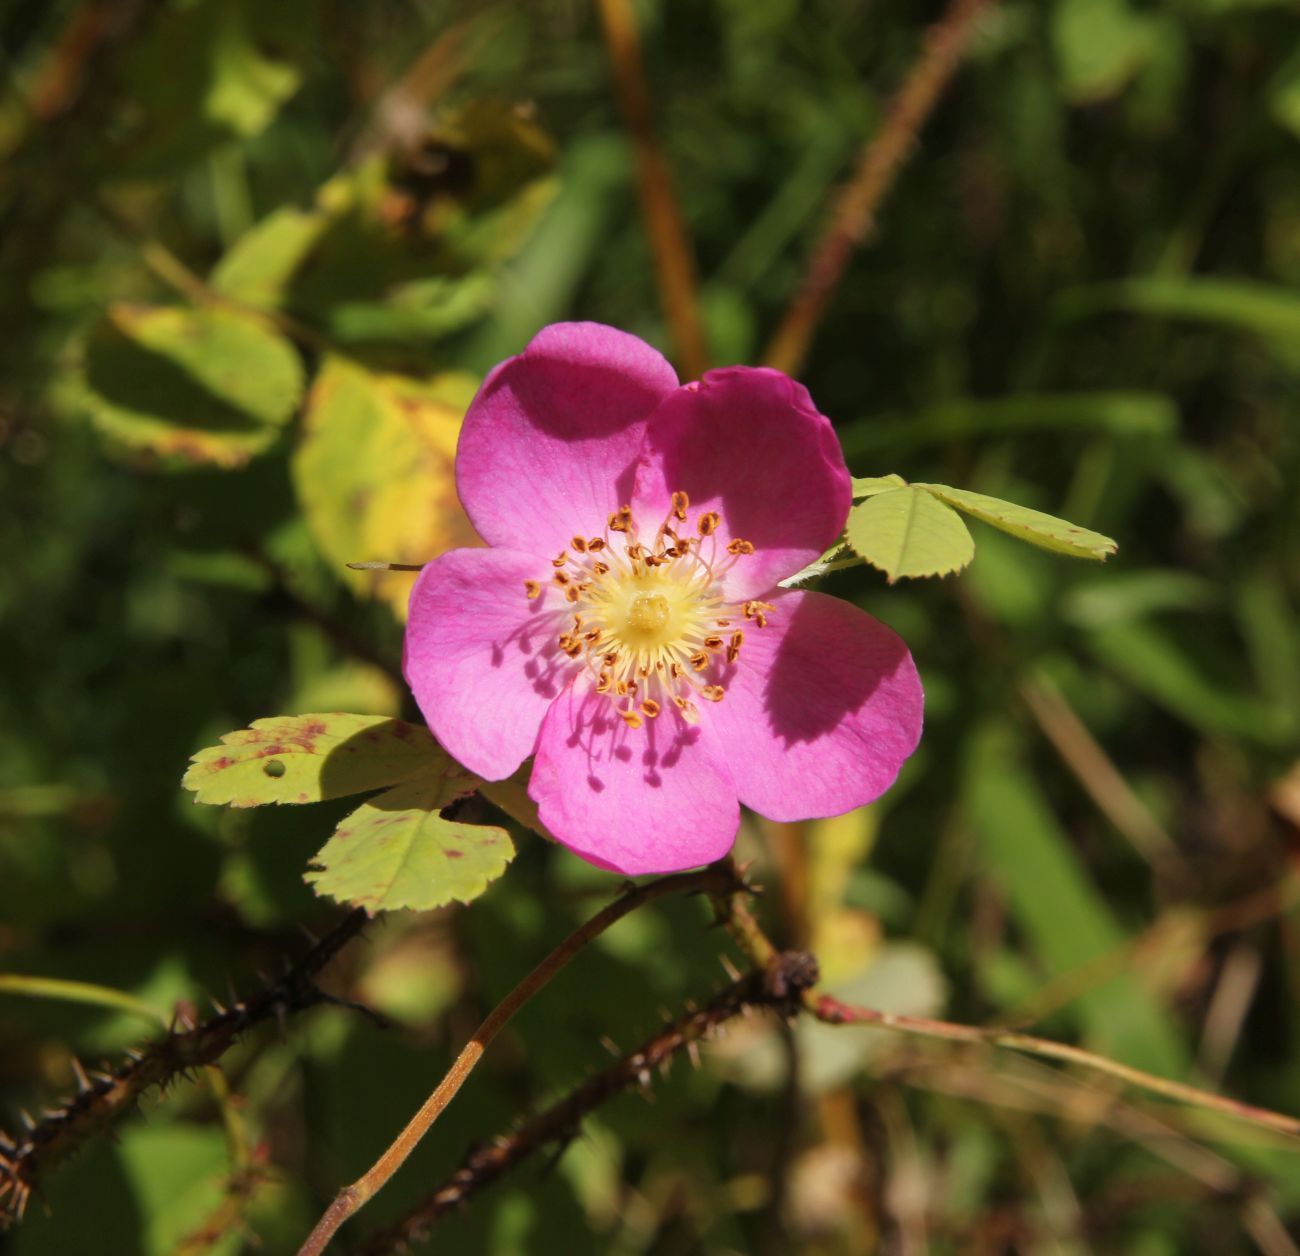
(625, 625)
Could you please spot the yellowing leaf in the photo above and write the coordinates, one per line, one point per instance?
(397, 851)
(1029, 525)
(906, 532)
(197, 386)
(374, 472)
(308, 758)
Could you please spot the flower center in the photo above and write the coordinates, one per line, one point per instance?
(652, 622)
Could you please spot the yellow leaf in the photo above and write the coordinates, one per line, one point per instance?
(374, 472)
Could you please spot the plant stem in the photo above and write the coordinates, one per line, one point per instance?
(833, 1012)
(718, 879)
(853, 220)
(777, 987)
(674, 263)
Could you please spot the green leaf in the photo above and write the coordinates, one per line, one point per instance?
(1124, 414)
(206, 386)
(1064, 915)
(374, 472)
(1028, 525)
(1266, 310)
(309, 758)
(907, 532)
(1100, 45)
(396, 851)
(260, 265)
(869, 486)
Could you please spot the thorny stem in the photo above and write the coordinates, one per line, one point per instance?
(854, 217)
(778, 986)
(718, 879)
(750, 936)
(833, 1012)
(674, 265)
(104, 1097)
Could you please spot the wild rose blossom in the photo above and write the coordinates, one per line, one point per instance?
(624, 625)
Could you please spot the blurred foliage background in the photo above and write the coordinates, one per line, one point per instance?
(254, 259)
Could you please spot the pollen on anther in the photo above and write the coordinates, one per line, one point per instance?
(572, 593)
(739, 546)
(631, 718)
(650, 708)
(733, 649)
(699, 661)
(713, 643)
(714, 693)
(680, 503)
(561, 559)
(595, 545)
(708, 522)
(579, 545)
(532, 589)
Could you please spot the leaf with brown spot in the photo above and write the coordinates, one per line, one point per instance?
(308, 758)
(397, 851)
(187, 387)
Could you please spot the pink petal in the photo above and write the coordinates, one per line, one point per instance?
(481, 658)
(749, 444)
(651, 799)
(549, 442)
(821, 709)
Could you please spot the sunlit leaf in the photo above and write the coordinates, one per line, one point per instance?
(397, 851)
(258, 268)
(373, 472)
(1028, 525)
(190, 386)
(308, 758)
(908, 532)
(869, 486)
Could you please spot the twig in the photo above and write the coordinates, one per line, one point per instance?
(833, 1012)
(105, 1097)
(1096, 771)
(718, 879)
(674, 264)
(779, 986)
(854, 217)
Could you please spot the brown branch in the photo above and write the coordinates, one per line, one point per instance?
(719, 879)
(853, 220)
(105, 1097)
(674, 263)
(779, 986)
(833, 1012)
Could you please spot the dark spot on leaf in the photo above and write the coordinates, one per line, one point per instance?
(273, 767)
(455, 854)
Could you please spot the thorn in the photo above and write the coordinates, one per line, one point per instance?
(309, 935)
(610, 1045)
(693, 1050)
(232, 994)
(25, 1117)
(83, 1082)
(217, 1005)
(104, 1079)
(134, 1054)
(52, 1114)
(729, 968)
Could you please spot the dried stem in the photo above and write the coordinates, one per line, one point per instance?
(854, 217)
(718, 879)
(104, 1097)
(833, 1012)
(674, 263)
(779, 986)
